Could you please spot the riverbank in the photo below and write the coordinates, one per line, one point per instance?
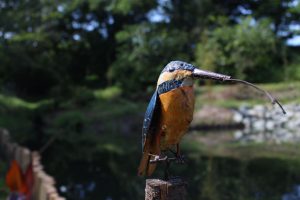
(104, 111)
(219, 106)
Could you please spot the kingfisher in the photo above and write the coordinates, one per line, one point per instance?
(170, 110)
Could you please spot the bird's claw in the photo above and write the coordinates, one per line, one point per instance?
(180, 159)
(158, 158)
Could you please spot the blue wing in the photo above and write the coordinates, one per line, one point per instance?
(149, 117)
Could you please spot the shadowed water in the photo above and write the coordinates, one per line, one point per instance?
(110, 173)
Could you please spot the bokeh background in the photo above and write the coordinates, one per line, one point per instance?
(81, 72)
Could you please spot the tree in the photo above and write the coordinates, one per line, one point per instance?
(143, 51)
(62, 44)
(57, 45)
(249, 50)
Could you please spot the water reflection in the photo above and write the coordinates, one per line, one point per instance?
(78, 190)
(212, 172)
(294, 195)
(210, 177)
(277, 136)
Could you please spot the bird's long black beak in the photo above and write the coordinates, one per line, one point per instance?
(198, 73)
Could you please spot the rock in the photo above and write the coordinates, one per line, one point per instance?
(238, 135)
(237, 117)
(270, 125)
(247, 122)
(259, 125)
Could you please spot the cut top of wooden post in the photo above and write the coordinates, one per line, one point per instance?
(173, 189)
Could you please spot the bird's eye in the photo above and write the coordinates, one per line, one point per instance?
(172, 69)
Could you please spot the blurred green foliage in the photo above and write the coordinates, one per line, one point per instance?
(249, 50)
(3, 190)
(143, 50)
(48, 48)
(85, 56)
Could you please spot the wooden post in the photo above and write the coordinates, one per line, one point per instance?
(173, 189)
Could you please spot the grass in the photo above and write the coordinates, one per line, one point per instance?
(233, 96)
(105, 110)
(15, 102)
(108, 93)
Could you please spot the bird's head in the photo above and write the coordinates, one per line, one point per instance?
(185, 73)
(178, 70)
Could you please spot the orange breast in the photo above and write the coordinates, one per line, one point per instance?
(177, 107)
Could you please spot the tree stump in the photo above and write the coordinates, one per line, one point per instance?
(173, 189)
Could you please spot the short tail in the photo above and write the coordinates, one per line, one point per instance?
(144, 164)
(145, 167)
(150, 149)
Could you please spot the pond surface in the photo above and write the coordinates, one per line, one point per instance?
(221, 165)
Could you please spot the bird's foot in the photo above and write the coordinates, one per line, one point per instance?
(158, 158)
(178, 158)
(181, 159)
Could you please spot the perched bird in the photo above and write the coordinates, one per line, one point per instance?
(170, 110)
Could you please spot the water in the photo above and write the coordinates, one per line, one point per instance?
(221, 165)
(294, 195)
